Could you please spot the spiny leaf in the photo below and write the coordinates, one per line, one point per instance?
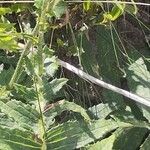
(57, 108)
(59, 8)
(14, 139)
(23, 114)
(71, 135)
(51, 89)
(38, 3)
(8, 42)
(26, 93)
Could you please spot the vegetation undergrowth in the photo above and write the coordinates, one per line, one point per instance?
(45, 107)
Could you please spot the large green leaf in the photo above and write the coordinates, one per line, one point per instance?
(71, 135)
(126, 136)
(23, 114)
(103, 62)
(139, 82)
(14, 139)
(121, 139)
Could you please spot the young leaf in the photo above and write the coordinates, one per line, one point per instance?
(115, 13)
(4, 11)
(38, 3)
(131, 9)
(86, 5)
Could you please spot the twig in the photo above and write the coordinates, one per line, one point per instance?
(98, 82)
(103, 84)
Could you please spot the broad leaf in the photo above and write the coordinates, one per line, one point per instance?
(103, 62)
(71, 135)
(14, 139)
(105, 144)
(126, 136)
(139, 82)
(23, 114)
(121, 139)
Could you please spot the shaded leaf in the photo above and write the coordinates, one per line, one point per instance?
(121, 139)
(5, 76)
(24, 92)
(146, 144)
(57, 108)
(101, 110)
(139, 82)
(51, 88)
(126, 136)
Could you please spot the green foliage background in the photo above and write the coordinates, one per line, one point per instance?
(43, 106)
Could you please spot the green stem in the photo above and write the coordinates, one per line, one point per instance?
(17, 71)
